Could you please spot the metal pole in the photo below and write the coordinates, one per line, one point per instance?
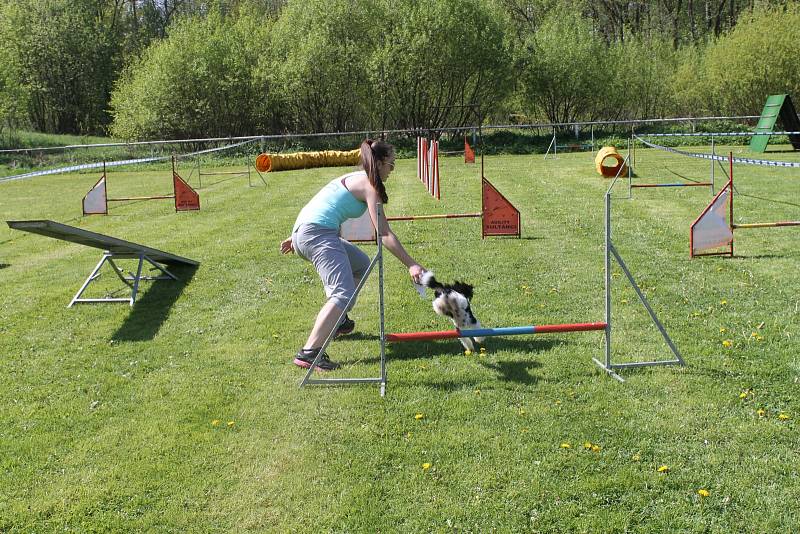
(730, 204)
(630, 173)
(379, 239)
(608, 280)
(713, 162)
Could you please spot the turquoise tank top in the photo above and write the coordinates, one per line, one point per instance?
(333, 205)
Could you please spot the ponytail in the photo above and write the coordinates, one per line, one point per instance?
(372, 153)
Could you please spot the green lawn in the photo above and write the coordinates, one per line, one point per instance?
(183, 413)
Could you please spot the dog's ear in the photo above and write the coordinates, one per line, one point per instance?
(464, 289)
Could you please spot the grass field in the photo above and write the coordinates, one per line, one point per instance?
(183, 413)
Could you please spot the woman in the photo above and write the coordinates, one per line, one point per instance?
(340, 264)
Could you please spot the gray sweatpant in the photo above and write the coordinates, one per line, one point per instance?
(339, 263)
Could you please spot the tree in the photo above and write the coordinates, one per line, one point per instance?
(755, 60)
(439, 57)
(197, 82)
(13, 95)
(319, 61)
(65, 53)
(569, 73)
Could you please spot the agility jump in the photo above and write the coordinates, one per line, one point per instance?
(711, 233)
(232, 174)
(606, 363)
(493, 332)
(96, 200)
(498, 217)
(688, 181)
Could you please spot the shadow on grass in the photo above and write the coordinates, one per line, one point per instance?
(772, 200)
(514, 371)
(4, 265)
(152, 308)
(415, 350)
(508, 370)
(684, 177)
(220, 181)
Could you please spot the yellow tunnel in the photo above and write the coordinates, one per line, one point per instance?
(306, 160)
(609, 171)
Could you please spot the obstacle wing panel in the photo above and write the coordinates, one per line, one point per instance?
(469, 154)
(712, 229)
(360, 229)
(95, 202)
(186, 198)
(500, 217)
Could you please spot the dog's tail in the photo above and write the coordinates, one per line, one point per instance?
(428, 280)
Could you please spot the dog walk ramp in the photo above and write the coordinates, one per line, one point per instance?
(113, 249)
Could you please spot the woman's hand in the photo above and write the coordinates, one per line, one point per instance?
(416, 272)
(286, 246)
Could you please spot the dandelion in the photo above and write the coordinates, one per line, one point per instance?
(761, 412)
(587, 445)
(215, 422)
(723, 302)
(727, 343)
(636, 457)
(624, 301)
(703, 492)
(230, 424)
(419, 416)
(483, 350)
(596, 448)
(743, 395)
(696, 314)
(783, 417)
(566, 445)
(477, 392)
(722, 329)
(467, 352)
(522, 411)
(426, 466)
(663, 469)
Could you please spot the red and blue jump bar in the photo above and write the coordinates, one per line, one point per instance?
(678, 184)
(489, 332)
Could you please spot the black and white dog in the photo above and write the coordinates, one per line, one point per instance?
(453, 301)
